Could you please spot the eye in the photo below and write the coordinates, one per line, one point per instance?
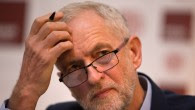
(73, 68)
(102, 53)
(105, 59)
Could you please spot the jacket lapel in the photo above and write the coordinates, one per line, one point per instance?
(158, 101)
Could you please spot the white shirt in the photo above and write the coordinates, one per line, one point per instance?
(148, 98)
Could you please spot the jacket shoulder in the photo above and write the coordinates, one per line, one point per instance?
(180, 102)
(166, 100)
(65, 106)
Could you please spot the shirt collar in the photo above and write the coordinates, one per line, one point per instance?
(145, 83)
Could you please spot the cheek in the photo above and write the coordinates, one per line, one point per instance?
(80, 91)
(124, 69)
(115, 75)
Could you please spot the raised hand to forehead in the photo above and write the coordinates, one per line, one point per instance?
(47, 40)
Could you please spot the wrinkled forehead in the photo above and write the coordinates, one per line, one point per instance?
(89, 33)
(89, 29)
(84, 53)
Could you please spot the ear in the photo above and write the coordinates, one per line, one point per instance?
(134, 45)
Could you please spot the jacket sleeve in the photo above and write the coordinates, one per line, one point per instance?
(3, 106)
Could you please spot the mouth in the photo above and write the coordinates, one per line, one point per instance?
(102, 93)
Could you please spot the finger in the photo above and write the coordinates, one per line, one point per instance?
(55, 37)
(60, 48)
(38, 22)
(48, 27)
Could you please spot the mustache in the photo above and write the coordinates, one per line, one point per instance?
(99, 87)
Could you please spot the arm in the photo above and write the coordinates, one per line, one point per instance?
(42, 48)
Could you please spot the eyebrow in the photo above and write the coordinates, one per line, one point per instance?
(99, 46)
(77, 62)
(80, 61)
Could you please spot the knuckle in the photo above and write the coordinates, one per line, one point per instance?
(29, 42)
(66, 34)
(37, 21)
(33, 47)
(36, 52)
(61, 45)
(65, 45)
(41, 56)
(26, 40)
(55, 34)
(61, 23)
(64, 24)
(48, 26)
(45, 59)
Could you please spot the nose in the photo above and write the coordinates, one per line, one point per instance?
(94, 76)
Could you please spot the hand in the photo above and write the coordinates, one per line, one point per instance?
(45, 43)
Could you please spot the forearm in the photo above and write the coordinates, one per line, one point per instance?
(45, 43)
(22, 100)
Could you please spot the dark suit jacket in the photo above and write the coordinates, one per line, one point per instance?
(161, 100)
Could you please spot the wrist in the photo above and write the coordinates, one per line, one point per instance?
(23, 99)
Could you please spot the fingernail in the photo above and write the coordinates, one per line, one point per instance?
(51, 18)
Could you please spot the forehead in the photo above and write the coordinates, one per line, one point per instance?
(89, 29)
(89, 33)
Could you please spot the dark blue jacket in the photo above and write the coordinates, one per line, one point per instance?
(161, 100)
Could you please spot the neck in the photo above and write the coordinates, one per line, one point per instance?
(138, 97)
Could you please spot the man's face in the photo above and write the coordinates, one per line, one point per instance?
(110, 90)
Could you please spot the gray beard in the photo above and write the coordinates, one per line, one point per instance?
(119, 100)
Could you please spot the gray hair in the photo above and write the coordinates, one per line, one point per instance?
(113, 18)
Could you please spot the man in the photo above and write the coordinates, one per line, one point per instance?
(97, 57)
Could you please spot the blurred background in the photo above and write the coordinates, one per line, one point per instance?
(165, 27)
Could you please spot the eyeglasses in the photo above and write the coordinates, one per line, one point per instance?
(101, 64)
